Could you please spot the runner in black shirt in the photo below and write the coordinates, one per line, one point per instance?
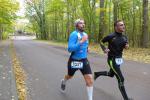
(116, 43)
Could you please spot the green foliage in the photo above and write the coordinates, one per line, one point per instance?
(58, 18)
(5, 35)
(8, 9)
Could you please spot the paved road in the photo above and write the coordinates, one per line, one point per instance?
(45, 65)
(7, 79)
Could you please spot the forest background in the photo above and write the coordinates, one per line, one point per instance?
(53, 20)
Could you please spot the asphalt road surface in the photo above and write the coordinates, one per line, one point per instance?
(8, 89)
(45, 65)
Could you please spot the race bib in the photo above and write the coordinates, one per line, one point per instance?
(77, 64)
(119, 61)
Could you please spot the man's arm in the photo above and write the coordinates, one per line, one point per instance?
(104, 40)
(126, 43)
(105, 50)
(102, 46)
(73, 44)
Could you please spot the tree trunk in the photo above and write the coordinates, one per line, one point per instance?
(145, 24)
(101, 20)
(115, 10)
(68, 21)
(109, 23)
(134, 25)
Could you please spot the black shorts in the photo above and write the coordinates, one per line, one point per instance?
(85, 70)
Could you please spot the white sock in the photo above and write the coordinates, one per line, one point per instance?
(64, 81)
(90, 92)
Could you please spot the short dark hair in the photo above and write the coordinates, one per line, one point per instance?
(116, 22)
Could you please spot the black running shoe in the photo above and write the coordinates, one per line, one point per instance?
(129, 99)
(95, 76)
(63, 85)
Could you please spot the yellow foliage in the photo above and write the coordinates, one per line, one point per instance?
(19, 75)
(138, 54)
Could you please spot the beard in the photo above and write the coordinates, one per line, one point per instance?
(81, 29)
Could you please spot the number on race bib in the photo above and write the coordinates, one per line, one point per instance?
(76, 64)
(119, 61)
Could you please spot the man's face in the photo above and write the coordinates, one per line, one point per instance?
(81, 25)
(120, 27)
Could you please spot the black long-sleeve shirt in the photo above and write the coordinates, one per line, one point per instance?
(116, 44)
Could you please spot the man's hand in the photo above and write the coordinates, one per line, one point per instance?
(126, 46)
(88, 49)
(84, 38)
(106, 51)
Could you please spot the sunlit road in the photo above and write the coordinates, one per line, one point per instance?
(45, 65)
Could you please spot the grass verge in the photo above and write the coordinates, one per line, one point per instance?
(134, 54)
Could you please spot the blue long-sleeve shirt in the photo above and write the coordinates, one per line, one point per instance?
(79, 49)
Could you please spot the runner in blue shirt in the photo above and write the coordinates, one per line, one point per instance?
(78, 47)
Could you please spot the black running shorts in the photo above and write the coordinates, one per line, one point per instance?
(86, 69)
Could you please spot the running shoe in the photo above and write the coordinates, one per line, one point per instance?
(63, 85)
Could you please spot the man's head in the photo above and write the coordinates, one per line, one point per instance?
(79, 24)
(119, 26)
